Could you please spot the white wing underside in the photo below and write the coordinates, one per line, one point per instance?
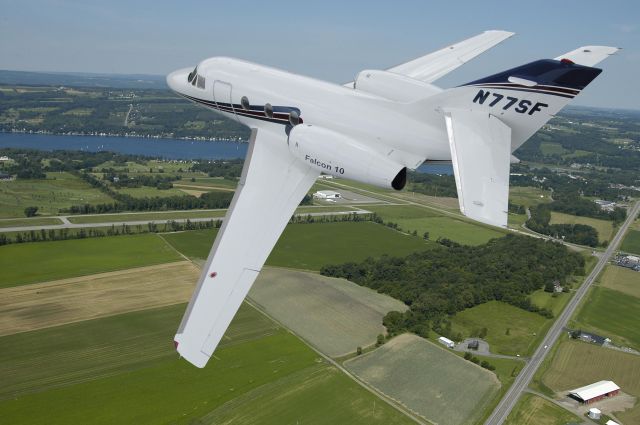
(480, 152)
(272, 184)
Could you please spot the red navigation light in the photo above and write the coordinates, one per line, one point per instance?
(567, 61)
(213, 274)
(176, 343)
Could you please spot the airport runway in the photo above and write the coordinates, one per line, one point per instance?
(521, 383)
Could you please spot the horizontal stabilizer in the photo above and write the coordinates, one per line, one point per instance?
(481, 154)
(589, 55)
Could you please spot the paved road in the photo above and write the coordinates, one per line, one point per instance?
(522, 381)
(66, 224)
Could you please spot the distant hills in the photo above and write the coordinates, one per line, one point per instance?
(83, 79)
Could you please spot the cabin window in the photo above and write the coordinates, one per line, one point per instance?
(294, 118)
(245, 102)
(268, 110)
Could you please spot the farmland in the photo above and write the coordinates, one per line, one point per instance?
(58, 190)
(438, 385)
(498, 317)
(528, 196)
(534, 410)
(577, 363)
(631, 242)
(613, 314)
(40, 305)
(35, 221)
(43, 261)
(150, 216)
(334, 315)
(411, 218)
(621, 279)
(311, 246)
(603, 227)
(93, 368)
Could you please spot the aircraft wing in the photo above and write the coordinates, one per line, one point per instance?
(481, 155)
(272, 184)
(430, 67)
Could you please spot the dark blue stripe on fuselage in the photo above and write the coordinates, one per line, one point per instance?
(280, 113)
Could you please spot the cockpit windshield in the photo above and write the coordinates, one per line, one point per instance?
(195, 79)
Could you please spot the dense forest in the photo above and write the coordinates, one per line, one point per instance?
(581, 234)
(440, 282)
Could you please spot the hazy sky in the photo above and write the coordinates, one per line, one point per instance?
(327, 39)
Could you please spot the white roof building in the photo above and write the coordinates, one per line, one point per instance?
(327, 194)
(446, 342)
(595, 390)
(610, 422)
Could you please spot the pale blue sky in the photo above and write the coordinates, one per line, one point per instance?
(332, 40)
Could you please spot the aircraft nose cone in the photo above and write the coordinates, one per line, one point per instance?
(177, 80)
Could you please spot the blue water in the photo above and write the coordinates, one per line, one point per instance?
(157, 148)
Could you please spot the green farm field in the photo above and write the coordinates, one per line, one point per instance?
(58, 190)
(621, 279)
(534, 410)
(612, 314)
(577, 363)
(528, 196)
(311, 246)
(411, 218)
(524, 327)
(439, 385)
(150, 192)
(51, 260)
(334, 315)
(631, 242)
(550, 148)
(147, 216)
(605, 228)
(113, 369)
(553, 302)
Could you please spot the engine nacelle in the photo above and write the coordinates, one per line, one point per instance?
(394, 86)
(342, 156)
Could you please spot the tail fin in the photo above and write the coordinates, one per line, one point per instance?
(526, 97)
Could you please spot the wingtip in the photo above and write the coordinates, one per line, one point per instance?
(507, 34)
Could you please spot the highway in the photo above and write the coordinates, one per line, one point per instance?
(522, 381)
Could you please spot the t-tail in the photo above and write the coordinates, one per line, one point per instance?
(489, 118)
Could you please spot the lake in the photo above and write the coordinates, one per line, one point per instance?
(157, 148)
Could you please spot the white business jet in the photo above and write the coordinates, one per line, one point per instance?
(370, 130)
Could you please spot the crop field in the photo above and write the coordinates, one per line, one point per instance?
(500, 318)
(36, 221)
(58, 190)
(621, 279)
(631, 242)
(150, 192)
(534, 410)
(551, 148)
(334, 315)
(39, 305)
(113, 369)
(438, 385)
(578, 363)
(411, 218)
(51, 260)
(605, 228)
(528, 196)
(311, 246)
(612, 314)
(321, 393)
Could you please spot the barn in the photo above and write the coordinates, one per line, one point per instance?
(595, 392)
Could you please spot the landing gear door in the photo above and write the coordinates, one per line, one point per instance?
(222, 97)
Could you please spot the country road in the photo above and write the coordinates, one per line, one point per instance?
(501, 412)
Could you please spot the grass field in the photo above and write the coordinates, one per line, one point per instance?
(534, 410)
(440, 386)
(411, 218)
(334, 315)
(311, 246)
(612, 314)
(550, 148)
(36, 221)
(151, 216)
(41, 305)
(150, 192)
(113, 370)
(621, 279)
(553, 302)
(605, 228)
(528, 196)
(631, 242)
(524, 327)
(577, 363)
(44, 261)
(58, 190)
